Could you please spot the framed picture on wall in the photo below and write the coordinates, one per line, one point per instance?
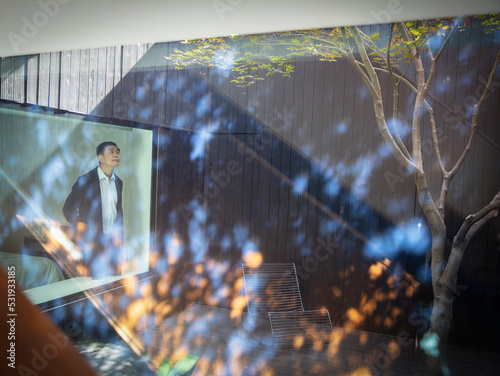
(44, 163)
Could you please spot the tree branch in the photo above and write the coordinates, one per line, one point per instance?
(375, 90)
(357, 65)
(395, 95)
(434, 60)
(468, 229)
(367, 63)
(415, 51)
(477, 106)
(435, 139)
(388, 59)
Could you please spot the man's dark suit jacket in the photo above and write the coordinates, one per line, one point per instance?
(84, 204)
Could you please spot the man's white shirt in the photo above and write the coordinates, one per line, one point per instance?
(109, 198)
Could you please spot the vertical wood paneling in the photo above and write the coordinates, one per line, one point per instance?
(253, 180)
(245, 136)
(489, 121)
(225, 182)
(85, 80)
(365, 162)
(260, 173)
(265, 223)
(296, 234)
(317, 124)
(74, 82)
(93, 79)
(467, 73)
(160, 84)
(346, 211)
(225, 178)
(247, 183)
(475, 290)
(452, 145)
(370, 185)
(274, 183)
(237, 154)
(233, 203)
(19, 79)
(107, 62)
(284, 244)
(311, 150)
(489, 316)
(284, 119)
(100, 63)
(325, 230)
(65, 79)
(55, 80)
(125, 101)
(336, 280)
(32, 79)
(171, 86)
(407, 185)
(7, 78)
(117, 79)
(44, 78)
(270, 140)
(211, 193)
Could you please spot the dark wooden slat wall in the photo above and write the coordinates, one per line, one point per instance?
(315, 124)
(247, 200)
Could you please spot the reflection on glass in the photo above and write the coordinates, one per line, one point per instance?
(42, 169)
(286, 170)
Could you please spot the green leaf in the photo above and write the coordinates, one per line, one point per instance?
(184, 365)
(165, 367)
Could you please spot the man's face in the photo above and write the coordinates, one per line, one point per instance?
(110, 157)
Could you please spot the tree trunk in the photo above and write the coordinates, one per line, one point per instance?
(437, 337)
(445, 288)
(435, 341)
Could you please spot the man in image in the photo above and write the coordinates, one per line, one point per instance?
(94, 210)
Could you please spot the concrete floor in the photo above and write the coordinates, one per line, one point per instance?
(233, 346)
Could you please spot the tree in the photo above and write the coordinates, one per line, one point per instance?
(418, 44)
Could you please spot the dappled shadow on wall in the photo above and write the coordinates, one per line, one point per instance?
(188, 300)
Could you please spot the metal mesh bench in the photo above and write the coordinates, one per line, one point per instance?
(273, 290)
